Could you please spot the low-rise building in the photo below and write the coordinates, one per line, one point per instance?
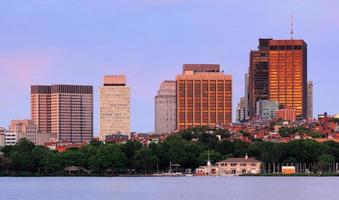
(24, 129)
(231, 166)
(2, 137)
(239, 166)
(11, 138)
(286, 114)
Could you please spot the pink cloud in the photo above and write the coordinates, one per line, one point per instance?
(24, 68)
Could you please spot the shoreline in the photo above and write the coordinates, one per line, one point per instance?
(160, 176)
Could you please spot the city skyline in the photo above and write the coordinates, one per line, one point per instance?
(81, 51)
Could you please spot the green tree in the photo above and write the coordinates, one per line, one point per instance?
(145, 159)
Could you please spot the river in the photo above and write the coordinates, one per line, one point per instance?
(169, 188)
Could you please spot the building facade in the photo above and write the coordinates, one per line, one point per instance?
(266, 109)
(241, 110)
(65, 112)
(115, 114)
(11, 138)
(25, 129)
(2, 137)
(258, 76)
(246, 96)
(204, 96)
(278, 72)
(286, 114)
(165, 108)
(231, 166)
(309, 99)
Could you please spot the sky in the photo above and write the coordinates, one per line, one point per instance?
(80, 41)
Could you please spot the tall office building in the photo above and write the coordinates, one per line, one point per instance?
(165, 108)
(258, 76)
(309, 99)
(63, 111)
(241, 110)
(278, 72)
(204, 96)
(41, 107)
(115, 106)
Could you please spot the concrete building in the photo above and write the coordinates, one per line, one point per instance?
(2, 137)
(115, 114)
(241, 110)
(286, 114)
(11, 138)
(278, 72)
(310, 99)
(204, 96)
(165, 108)
(63, 112)
(24, 129)
(266, 109)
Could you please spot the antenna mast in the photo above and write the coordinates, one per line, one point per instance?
(292, 26)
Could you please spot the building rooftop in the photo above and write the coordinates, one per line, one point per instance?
(246, 159)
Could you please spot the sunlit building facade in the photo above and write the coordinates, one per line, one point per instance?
(63, 112)
(278, 72)
(115, 106)
(204, 96)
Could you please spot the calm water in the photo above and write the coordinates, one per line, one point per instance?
(170, 188)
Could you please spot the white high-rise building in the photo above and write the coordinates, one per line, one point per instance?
(165, 108)
(115, 106)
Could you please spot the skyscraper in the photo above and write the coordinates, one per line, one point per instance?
(278, 72)
(204, 96)
(309, 99)
(258, 75)
(241, 110)
(115, 106)
(63, 111)
(165, 108)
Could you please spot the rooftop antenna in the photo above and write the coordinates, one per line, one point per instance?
(292, 26)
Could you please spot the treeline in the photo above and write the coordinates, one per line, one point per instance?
(189, 148)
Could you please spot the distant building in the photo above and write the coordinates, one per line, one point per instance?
(24, 129)
(266, 109)
(2, 137)
(310, 99)
(204, 96)
(286, 114)
(278, 72)
(165, 108)
(116, 138)
(246, 96)
(115, 106)
(231, 166)
(63, 112)
(239, 166)
(11, 138)
(241, 110)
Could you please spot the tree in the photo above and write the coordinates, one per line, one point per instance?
(110, 157)
(145, 159)
(324, 161)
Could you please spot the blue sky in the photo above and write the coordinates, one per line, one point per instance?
(79, 41)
